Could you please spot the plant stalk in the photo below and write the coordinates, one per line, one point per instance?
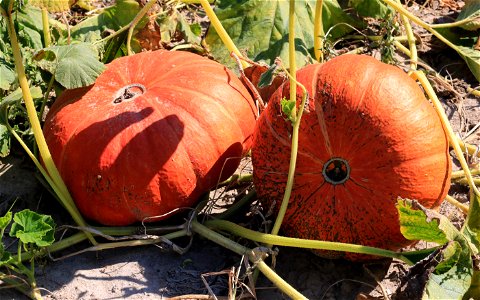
(135, 21)
(302, 243)
(241, 250)
(37, 130)
(222, 33)
(318, 32)
(46, 28)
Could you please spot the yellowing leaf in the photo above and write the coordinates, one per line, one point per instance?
(53, 5)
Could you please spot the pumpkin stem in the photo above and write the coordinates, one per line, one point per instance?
(129, 92)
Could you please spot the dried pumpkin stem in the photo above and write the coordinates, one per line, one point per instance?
(52, 170)
(318, 33)
(420, 76)
(302, 243)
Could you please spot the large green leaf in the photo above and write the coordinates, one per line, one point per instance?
(30, 28)
(471, 227)
(371, 8)
(464, 42)
(33, 228)
(471, 11)
(261, 28)
(447, 273)
(73, 66)
(110, 19)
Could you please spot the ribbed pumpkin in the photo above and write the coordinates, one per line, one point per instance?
(155, 131)
(369, 137)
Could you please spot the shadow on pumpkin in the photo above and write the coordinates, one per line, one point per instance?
(115, 174)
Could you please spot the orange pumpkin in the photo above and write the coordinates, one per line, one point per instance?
(156, 131)
(370, 136)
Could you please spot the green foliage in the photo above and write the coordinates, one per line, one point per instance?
(33, 228)
(73, 66)
(4, 141)
(415, 226)
(175, 26)
(268, 76)
(261, 28)
(33, 232)
(471, 11)
(109, 19)
(371, 8)
(288, 108)
(447, 273)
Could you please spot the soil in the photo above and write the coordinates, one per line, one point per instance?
(155, 272)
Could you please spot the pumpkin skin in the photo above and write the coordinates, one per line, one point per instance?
(185, 128)
(379, 128)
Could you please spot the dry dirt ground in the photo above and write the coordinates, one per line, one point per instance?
(150, 272)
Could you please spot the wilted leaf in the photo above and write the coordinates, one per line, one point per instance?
(174, 26)
(371, 8)
(31, 227)
(261, 28)
(73, 66)
(53, 5)
(471, 10)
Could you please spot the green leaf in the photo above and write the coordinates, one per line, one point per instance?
(471, 10)
(471, 227)
(17, 95)
(451, 256)
(7, 76)
(4, 142)
(472, 58)
(109, 19)
(5, 257)
(267, 77)
(371, 8)
(5, 220)
(450, 269)
(464, 43)
(414, 225)
(474, 289)
(31, 227)
(261, 28)
(30, 28)
(175, 26)
(73, 66)
(287, 108)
